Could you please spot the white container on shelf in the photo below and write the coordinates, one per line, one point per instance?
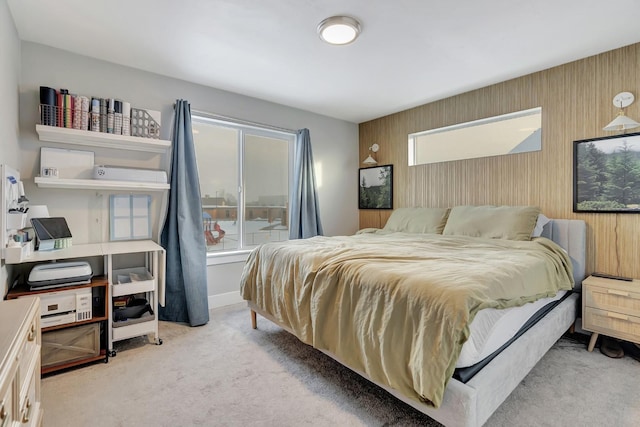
(17, 254)
(16, 220)
(135, 280)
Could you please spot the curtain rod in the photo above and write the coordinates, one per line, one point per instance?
(241, 121)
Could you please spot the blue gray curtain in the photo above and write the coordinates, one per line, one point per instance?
(304, 220)
(183, 232)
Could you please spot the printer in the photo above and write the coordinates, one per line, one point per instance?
(64, 306)
(57, 274)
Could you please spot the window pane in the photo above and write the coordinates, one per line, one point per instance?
(265, 189)
(244, 183)
(217, 158)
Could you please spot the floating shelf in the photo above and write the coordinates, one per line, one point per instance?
(74, 251)
(90, 249)
(98, 184)
(100, 139)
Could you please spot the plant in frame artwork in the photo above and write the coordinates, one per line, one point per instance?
(375, 187)
(606, 174)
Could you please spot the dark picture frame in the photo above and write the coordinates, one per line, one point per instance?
(375, 187)
(606, 174)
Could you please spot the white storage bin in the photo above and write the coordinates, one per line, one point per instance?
(16, 220)
(135, 280)
(17, 254)
(144, 325)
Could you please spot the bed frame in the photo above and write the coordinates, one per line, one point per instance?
(471, 404)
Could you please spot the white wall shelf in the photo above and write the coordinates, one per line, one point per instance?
(100, 139)
(99, 184)
(74, 251)
(91, 249)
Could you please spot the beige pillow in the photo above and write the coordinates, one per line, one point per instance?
(492, 222)
(417, 220)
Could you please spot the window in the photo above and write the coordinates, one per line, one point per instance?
(511, 133)
(244, 175)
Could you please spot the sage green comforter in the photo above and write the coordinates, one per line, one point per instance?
(397, 306)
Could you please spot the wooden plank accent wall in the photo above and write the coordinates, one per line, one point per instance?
(576, 101)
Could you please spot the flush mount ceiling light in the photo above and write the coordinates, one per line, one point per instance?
(339, 30)
(622, 122)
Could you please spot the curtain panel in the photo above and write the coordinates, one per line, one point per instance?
(304, 220)
(182, 236)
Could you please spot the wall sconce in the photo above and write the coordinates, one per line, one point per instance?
(370, 160)
(622, 122)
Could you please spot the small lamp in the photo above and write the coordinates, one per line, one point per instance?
(37, 211)
(370, 161)
(622, 122)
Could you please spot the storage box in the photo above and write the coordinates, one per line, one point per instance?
(70, 344)
(17, 254)
(70, 164)
(128, 281)
(16, 220)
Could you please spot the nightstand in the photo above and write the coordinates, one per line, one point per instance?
(611, 307)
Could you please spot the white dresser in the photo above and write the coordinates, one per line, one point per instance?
(20, 363)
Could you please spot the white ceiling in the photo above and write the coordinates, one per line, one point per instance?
(410, 52)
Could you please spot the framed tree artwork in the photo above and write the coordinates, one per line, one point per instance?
(606, 174)
(375, 187)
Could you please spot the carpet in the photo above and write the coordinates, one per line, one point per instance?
(226, 374)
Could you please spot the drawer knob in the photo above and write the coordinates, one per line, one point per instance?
(32, 333)
(616, 292)
(3, 415)
(617, 316)
(26, 415)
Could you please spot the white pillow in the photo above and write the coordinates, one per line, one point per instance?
(540, 223)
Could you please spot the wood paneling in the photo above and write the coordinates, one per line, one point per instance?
(576, 101)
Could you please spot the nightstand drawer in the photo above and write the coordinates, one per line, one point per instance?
(612, 323)
(618, 300)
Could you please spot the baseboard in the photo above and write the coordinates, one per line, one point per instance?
(221, 300)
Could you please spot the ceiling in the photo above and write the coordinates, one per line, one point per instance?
(410, 52)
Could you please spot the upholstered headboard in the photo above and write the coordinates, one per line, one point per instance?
(571, 235)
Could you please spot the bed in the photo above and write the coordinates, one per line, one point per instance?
(398, 305)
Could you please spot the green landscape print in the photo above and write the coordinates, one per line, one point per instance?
(376, 188)
(607, 175)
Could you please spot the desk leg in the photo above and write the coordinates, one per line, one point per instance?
(592, 341)
(254, 321)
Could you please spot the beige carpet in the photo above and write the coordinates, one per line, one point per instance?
(226, 374)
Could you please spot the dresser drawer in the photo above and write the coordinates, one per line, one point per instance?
(612, 324)
(29, 348)
(620, 301)
(29, 413)
(6, 404)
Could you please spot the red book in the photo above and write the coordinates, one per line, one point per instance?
(59, 108)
